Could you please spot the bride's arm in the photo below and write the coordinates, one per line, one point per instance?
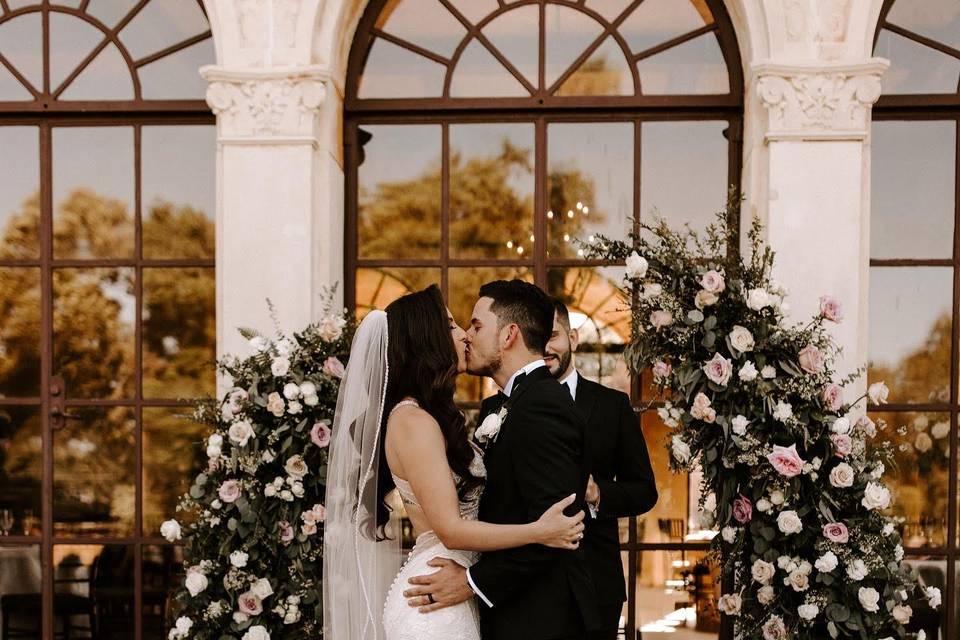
(417, 441)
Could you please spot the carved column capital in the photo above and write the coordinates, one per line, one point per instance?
(255, 106)
(825, 103)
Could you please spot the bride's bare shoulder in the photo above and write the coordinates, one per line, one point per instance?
(411, 419)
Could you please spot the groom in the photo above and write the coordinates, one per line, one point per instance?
(535, 459)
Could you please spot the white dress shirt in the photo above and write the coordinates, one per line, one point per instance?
(571, 381)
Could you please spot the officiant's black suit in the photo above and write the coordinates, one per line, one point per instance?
(620, 465)
(538, 458)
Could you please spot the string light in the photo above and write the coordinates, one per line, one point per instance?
(520, 250)
(570, 213)
(586, 210)
(566, 237)
(550, 215)
(579, 205)
(509, 244)
(532, 238)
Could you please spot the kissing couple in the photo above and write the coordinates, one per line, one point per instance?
(499, 523)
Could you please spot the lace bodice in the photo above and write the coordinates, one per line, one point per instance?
(470, 502)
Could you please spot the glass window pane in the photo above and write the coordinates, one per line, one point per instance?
(604, 73)
(175, 77)
(179, 332)
(20, 585)
(491, 191)
(376, 288)
(589, 184)
(20, 192)
(161, 24)
(915, 68)
(395, 72)
(94, 589)
(94, 471)
(598, 313)
(568, 33)
(94, 311)
(93, 192)
(913, 199)
(475, 10)
(479, 74)
(512, 34)
(677, 594)
(20, 304)
(162, 573)
(177, 197)
(920, 480)
(671, 151)
(656, 21)
(12, 89)
(694, 67)
(20, 38)
(173, 454)
(910, 332)
(609, 9)
(936, 19)
(398, 209)
(107, 77)
(71, 39)
(110, 12)
(425, 23)
(21, 471)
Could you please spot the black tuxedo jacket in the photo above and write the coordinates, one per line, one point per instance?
(537, 459)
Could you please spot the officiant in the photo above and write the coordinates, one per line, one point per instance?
(621, 483)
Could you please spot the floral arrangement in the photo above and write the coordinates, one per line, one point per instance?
(792, 469)
(252, 521)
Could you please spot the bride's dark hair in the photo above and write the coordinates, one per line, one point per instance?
(423, 365)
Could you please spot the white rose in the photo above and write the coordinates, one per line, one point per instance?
(764, 505)
(280, 367)
(869, 599)
(269, 491)
(284, 346)
(876, 496)
(789, 522)
(183, 624)
(842, 476)
(490, 427)
(857, 570)
(934, 598)
(763, 571)
(783, 411)
(730, 604)
(799, 580)
(213, 452)
(923, 442)
(757, 299)
(257, 632)
(308, 389)
(765, 594)
(259, 343)
(741, 339)
(681, 451)
(171, 530)
(291, 391)
(768, 372)
(311, 401)
(888, 529)
(705, 299)
(878, 471)
(240, 432)
(739, 425)
(748, 372)
(195, 583)
(637, 266)
(294, 407)
(902, 613)
(262, 589)
(878, 393)
(940, 430)
(841, 426)
(239, 559)
(827, 562)
(286, 496)
(808, 611)
(215, 440)
(240, 617)
(651, 290)
(729, 534)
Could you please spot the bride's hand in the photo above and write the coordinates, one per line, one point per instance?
(559, 531)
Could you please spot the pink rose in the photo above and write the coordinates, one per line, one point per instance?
(712, 281)
(320, 511)
(275, 404)
(867, 425)
(320, 434)
(701, 409)
(842, 444)
(774, 629)
(833, 396)
(308, 528)
(249, 603)
(661, 318)
(718, 369)
(811, 359)
(286, 533)
(836, 532)
(661, 370)
(742, 509)
(229, 491)
(786, 460)
(831, 309)
(333, 367)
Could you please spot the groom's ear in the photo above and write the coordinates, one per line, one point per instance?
(509, 336)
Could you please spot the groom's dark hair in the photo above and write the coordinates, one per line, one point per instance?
(523, 304)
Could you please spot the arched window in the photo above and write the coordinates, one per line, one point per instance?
(107, 326)
(913, 280)
(489, 139)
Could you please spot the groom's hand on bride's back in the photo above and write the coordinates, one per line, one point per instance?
(446, 587)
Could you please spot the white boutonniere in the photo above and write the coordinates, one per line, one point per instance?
(490, 427)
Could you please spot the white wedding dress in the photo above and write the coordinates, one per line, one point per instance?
(459, 622)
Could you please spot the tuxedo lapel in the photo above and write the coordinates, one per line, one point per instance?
(586, 400)
(517, 392)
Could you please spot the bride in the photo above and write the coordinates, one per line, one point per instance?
(397, 427)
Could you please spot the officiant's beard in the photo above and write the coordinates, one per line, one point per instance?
(558, 362)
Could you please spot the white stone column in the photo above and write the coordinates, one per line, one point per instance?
(279, 231)
(812, 182)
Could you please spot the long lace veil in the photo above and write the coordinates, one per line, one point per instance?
(357, 568)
